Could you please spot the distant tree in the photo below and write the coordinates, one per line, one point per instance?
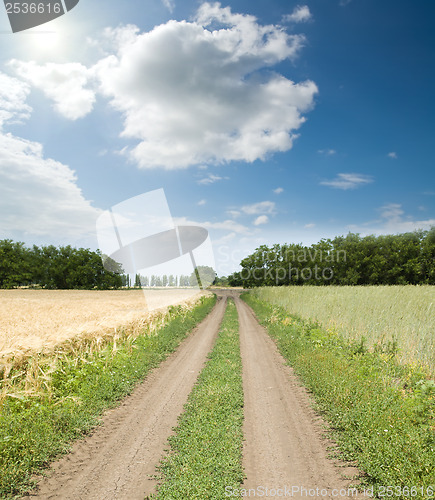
(221, 281)
(202, 276)
(165, 280)
(184, 280)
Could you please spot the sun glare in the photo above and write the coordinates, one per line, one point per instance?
(47, 41)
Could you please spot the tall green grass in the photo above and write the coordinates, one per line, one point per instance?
(403, 316)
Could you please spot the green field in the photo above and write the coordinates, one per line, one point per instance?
(387, 317)
(380, 413)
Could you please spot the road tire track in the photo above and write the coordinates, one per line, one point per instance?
(118, 460)
(284, 438)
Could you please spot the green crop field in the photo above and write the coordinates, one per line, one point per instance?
(402, 317)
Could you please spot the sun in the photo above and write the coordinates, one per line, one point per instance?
(46, 41)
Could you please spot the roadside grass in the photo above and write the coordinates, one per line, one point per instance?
(381, 413)
(36, 427)
(205, 454)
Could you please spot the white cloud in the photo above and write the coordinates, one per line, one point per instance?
(210, 179)
(309, 226)
(263, 207)
(348, 181)
(392, 155)
(65, 84)
(225, 239)
(169, 4)
(13, 95)
(300, 14)
(234, 213)
(190, 93)
(261, 219)
(226, 225)
(201, 203)
(278, 190)
(392, 220)
(327, 152)
(40, 196)
(391, 211)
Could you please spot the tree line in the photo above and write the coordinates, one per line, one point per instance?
(53, 267)
(66, 267)
(399, 259)
(202, 276)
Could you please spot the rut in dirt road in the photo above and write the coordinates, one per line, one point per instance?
(283, 437)
(118, 460)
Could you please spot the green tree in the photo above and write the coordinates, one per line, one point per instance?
(202, 276)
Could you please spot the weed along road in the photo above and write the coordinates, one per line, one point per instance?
(118, 460)
(283, 450)
(283, 444)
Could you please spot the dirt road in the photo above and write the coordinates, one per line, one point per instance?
(118, 460)
(283, 446)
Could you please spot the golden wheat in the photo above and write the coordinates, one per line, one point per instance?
(39, 320)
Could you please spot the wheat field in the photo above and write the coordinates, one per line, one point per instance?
(39, 320)
(381, 314)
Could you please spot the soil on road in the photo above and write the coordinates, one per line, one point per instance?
(118, 461)
(284, 443)
(285, 449)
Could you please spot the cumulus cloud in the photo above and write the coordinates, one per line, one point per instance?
(65, 84)
(300, 14)
(348, 181)
(261, 219)
(13, 95)
(392, 155)
(190, 92)
(278, 190)
(40, 196)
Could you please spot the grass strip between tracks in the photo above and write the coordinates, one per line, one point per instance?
(34, 430)
(381, 415)
(206, 451)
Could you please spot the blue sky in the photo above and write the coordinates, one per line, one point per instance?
(265, 122)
